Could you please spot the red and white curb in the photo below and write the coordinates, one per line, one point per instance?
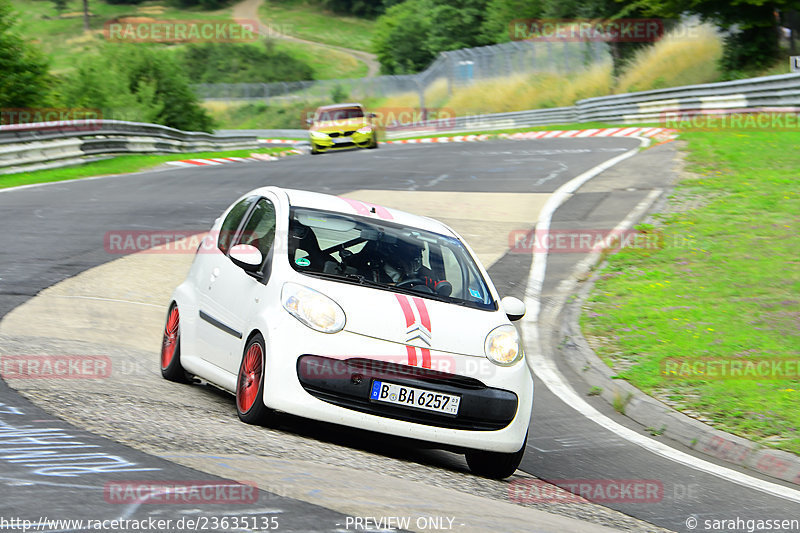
(657, 133)
(225, 160)
(280, 141)
(456, 139)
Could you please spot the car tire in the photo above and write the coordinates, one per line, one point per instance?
(250, 383)
(494, 465)
(314, 150)
(171, 368)
(374, 143)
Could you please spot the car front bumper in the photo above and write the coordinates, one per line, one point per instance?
(342, 141)
(497, 401)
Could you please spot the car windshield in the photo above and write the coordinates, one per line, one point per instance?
(340, 114)
(385, 255)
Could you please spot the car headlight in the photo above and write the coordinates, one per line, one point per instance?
(318, 135)
(502, 345)
(312, 308)
(365, 129)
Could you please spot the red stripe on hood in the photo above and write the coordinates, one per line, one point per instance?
(407, 312)
(423, 313)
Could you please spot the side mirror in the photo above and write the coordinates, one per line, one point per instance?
(371, 115)
(514, 308)
(309, 121)
(246, 257)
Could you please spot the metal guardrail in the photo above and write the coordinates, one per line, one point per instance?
(46, 145)
(26, 147)
(780, 92)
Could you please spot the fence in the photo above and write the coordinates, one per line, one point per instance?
(26, 147)
(778, 93)
(38, 145)
(456, 68)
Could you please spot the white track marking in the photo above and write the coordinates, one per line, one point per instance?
(546, 370)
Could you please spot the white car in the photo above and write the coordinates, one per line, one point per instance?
(337, 310)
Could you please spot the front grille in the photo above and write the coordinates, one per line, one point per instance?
(347, 383)
(334, 134)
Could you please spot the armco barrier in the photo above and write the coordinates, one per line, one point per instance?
(649, 106)
(769, 92)
(32, 146)
(26, 147)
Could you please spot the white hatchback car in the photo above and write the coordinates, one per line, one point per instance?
(346, 312)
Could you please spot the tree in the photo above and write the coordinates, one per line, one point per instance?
(25, 80)
(410, 35)
(501, 13)
(85, 15)
(136, 82)
(60, 5)
(752, 40)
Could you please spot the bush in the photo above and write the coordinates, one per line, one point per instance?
(136, 82)
(24, 77)
(242, 63)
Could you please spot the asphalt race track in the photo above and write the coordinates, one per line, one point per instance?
(54, 232)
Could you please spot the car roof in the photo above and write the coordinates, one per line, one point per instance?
(342, 204)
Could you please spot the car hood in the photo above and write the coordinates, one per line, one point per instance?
(340, 125)
(413, 320)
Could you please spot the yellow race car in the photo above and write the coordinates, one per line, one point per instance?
(342, 126)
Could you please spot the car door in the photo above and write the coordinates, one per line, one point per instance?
(231, 292)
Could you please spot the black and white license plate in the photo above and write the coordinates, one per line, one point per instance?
(414, 397)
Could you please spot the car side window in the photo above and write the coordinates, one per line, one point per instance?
(259, 231)
(227, 232)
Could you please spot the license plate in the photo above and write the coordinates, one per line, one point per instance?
(413, 397)
(340, 140)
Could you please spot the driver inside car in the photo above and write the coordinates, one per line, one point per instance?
(402, 263)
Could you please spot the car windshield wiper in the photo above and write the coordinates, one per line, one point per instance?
(352, 278)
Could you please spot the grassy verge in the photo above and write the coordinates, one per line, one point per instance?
(725, 287)
(302, 19)
(117, 165)
(62, 37)
(327, 64)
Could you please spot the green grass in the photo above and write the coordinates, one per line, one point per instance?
(117, 165)
(62, 38)
(726, 285)
(305, 20)
(327, 64)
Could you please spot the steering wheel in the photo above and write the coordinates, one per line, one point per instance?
(414, 282)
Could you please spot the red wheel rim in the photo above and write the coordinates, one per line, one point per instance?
(170, 342)
(250, 377)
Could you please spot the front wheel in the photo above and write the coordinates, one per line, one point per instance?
(171, 368)
(494, 465)
(250, 383)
